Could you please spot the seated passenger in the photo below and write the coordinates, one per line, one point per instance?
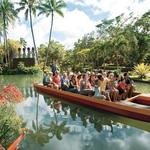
(64, 82)
(79, 78)
(129, 82)
(50, 84)
(102, 86)
(46, 79)
(122, 87)
(113, 91)
(116, 80)
(73, 84)
(56, 80)
(85, 86)
(92, 80)
(97, 91)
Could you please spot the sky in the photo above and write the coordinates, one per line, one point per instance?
(80, 18)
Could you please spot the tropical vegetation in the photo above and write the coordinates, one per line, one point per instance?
(119, 42)
(29, 6)
(8, 14)
(141, 70)
(10, 123)
(50, 7)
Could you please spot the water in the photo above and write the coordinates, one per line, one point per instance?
(59, 125)
(142, 87)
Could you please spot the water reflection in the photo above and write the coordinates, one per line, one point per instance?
(60, 125)
(88, 129)
(23, 82)
(41, 133)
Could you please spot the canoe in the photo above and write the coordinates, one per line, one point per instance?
(124, 108)
(143, 99)
(14, 145)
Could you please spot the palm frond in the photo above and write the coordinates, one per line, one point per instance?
(20, 9)
(59, 12)
(26, 14)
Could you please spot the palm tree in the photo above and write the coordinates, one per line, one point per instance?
(8, 15)
(39, 134)
(30, 8)
(1, 29)
(23, 42)
(47, 8)
(57, 128)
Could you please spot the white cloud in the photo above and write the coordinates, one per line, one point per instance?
(73, 26)
(115, 7)
(75, 23)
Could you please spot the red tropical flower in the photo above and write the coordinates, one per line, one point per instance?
(10, 93)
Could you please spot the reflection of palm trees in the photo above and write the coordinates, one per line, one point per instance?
(39, 134)
(57, 129)
(99, 120)
(73, 112)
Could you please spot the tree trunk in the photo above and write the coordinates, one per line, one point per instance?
(49, 43)
(5, 41)
(8, 54)
(36, 54)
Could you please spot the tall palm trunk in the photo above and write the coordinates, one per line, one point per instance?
(8, 53)
(5, 39)
(36, 55)
(50, 35)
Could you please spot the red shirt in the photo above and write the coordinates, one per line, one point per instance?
(57, 80)
(122, 85)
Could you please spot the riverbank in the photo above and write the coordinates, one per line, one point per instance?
(140, 80)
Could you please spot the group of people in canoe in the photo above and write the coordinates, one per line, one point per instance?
(104, 85)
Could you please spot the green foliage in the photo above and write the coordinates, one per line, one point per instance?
(29, 7)
(142, 70)
(23, 42)
(50, 7)
(10, 124)
(147, 58)
(115, 42)
(56, 52)
(8, 14)
(21, 69)
(12, 46)
(1, 53)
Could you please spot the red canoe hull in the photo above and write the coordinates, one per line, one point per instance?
(114, 107)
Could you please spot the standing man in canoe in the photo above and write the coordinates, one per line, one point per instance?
(54, 67)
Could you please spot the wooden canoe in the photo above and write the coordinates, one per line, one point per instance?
(14, 145)
(124, 108)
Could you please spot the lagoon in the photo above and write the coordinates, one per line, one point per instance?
(59, 125)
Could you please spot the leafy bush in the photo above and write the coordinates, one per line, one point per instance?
(10, 124)
(141, 70)
(21, 69)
